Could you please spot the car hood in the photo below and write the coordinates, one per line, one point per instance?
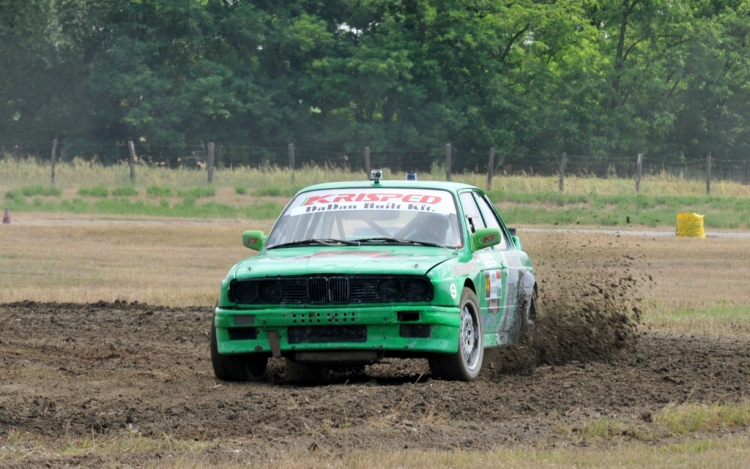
(370, 260)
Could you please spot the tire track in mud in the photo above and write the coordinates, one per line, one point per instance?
(117, 367)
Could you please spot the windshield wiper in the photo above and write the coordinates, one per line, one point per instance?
(321, 241)
(388, 239)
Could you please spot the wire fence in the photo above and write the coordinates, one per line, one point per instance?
(444, 159)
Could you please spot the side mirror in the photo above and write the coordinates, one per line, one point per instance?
(484, 238)
(254, 239)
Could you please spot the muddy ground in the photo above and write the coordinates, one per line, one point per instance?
(73, 370)
(121, 371)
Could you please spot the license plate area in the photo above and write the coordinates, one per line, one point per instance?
(324, 334)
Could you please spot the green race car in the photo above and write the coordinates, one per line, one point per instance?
(354, 272)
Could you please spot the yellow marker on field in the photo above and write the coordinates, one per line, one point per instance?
(690, 224)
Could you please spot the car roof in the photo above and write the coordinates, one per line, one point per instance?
(391, 183)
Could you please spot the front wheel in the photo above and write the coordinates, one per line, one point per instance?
(466, 363)
(239, 367)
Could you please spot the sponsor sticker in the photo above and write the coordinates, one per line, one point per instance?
(465, 269)
(488, 259)
(493, 284)
(488, 239)
(422, 200)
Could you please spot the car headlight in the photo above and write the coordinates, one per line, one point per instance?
(242, 292)
(389, 289)
(416, 290)
(270, 291)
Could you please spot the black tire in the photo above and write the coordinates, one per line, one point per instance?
(466, 363)
(528, 321)
(239, 367)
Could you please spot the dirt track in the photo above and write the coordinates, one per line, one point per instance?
(77, 370)
(114, 371)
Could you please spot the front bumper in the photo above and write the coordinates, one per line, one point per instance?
(392, 330)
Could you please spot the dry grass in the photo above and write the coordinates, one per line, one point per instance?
(22, 446)
(78, 173)
(172, 263)
(700, 284)
(695, 417)
(661, 185)
(727, 453)
(132, 450)
(699, 273)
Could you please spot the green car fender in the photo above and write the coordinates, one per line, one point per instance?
(450, 278)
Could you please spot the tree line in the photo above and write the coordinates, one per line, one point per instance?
(604, 78)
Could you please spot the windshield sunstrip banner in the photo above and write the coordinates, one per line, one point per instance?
(423, 200)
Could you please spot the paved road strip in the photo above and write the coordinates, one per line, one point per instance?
(709, 234)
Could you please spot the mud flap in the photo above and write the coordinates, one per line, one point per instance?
(273, 339)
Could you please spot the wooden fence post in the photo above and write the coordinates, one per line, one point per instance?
(447, 161)
(708, 174)
(367, 161)
(210, 162)
(131, 160)
(54, 159)
(490, 168)
(563, 164)
(290, 151)
(639, 169)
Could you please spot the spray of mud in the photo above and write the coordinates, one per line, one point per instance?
(590, 296)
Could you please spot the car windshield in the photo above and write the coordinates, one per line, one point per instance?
(368, 216)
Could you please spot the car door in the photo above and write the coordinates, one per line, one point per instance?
(491, 289)
(513, 269)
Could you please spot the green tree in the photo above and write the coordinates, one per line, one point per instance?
(46, 48)
(603, 78)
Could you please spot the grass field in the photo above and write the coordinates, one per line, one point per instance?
(255, 194)
(701, 284)
(694, 453)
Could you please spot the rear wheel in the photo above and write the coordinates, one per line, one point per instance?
(528, 322)
(238, 367)
(466, 363)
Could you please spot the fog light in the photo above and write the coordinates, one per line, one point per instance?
(242, 333)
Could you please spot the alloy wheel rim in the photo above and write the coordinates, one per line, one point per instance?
(469, 339)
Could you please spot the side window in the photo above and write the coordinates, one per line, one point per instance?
(490, 218)
(471, 212)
